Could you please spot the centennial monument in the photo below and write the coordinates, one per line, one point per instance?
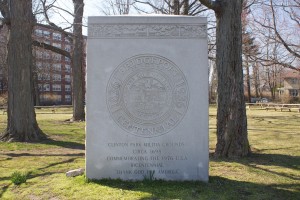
(147, 98)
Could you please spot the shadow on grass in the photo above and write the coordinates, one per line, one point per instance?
(258, 160)
(65, 144)
(52, 142)
(3, 189)
(43, 154)
(4, 178)
(30, 175)
(34, 174)
(216, 188)
(70, 160)
(287, 161)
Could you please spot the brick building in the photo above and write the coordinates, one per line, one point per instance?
(53, 70)
(3, 64)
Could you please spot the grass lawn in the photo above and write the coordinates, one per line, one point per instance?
(271, 172)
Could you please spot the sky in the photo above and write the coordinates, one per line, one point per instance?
(91, 8)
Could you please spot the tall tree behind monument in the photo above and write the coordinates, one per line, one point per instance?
(232, 136)
(77, 63)
(76, 55)
(22, 124)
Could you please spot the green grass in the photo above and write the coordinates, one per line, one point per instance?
(18, 178)
(271, 172)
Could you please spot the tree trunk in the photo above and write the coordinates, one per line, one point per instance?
(248, 79)
(186, 7)
(22, 124)
(270, 81)
(256, 78)
(176, 7)
(77, 63)
(232, 136)
(36, 93)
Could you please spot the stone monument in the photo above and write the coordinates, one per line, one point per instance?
(147, 98)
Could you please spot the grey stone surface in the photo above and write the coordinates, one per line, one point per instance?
(75, 172)
(147, 98)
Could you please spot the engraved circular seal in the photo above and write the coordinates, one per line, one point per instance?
(147, 95)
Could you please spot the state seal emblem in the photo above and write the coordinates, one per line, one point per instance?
(147, 95)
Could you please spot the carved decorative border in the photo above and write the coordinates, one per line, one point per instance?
(147, 31)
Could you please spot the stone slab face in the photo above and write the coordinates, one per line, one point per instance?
(147, 98)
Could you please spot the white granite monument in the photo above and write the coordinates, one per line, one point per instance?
(147, 98)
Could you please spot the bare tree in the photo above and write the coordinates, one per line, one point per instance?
(78, 63)
(272, 70)
(250, 49)
(173, 7)
(232, 136)
(249, 54)
(116, 7)
(275, 26)
(293, 10)
(257, 79)
(22, 124)
(76, 55)
(278, 22)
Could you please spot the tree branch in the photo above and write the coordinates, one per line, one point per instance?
(275, 62)
(57, 28)
(279, 36)
(214, 5)
(151, 5)
(51, 48)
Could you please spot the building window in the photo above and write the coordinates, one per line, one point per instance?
(38, 32)
(56, 36)
(67, 59)
(46, 55)
(46, 77)
(57, 57)
(57, 67)
(294, 93)
(46, 34)
(68, 48)
(39, 65)
(46, 87)
(43, 67)
(67, 78)
(68, 68)
(56, 77)
(67, 88)
(56, 87)
(43, 98)
(40, 77)
(68, 98)
(47, 66)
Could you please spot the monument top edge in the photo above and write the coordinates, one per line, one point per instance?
(145, 19)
